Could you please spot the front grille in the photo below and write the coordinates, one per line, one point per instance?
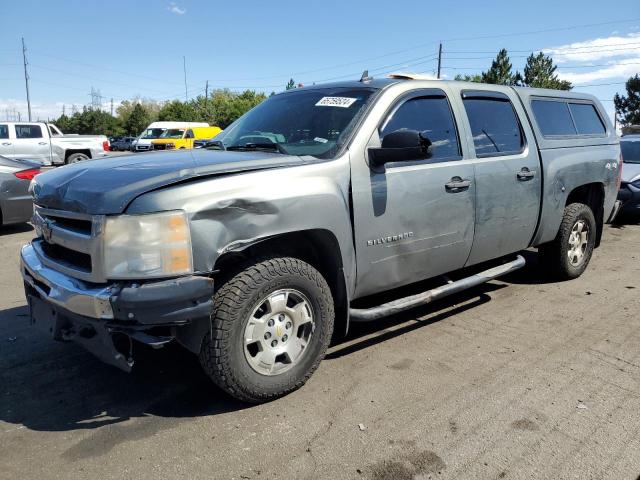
(69, 242)
(73, 224)
(159, 146)
(67, 257)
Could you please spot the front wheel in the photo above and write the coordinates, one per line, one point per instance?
(569, 254)
(271, 327)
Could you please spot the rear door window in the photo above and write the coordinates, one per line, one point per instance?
(4, 131)
(494, 125)
(28, 131)
(586, 119)
(432, 116)
(553, 117)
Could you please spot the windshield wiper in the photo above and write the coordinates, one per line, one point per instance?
(258, 146)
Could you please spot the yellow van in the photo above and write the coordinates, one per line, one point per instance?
(181, 138)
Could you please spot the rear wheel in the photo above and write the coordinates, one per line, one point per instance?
(272, 324)
(76, 157)
(569, 254)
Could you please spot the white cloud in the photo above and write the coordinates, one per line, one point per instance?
(10, 107)
(622, 70)
(597, 49)
(174, 8)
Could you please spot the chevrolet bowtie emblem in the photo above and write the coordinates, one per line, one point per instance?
(46, 229)
(279, 331)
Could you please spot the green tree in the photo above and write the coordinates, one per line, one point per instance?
(90, 122)
(177, 111)
(229, 106)
(137, 120)
(500, 71)
(477, 78)
(628, 108)
(540, 72)
(291, 84)
(64, 123)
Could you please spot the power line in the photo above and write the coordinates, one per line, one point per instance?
(560, 50)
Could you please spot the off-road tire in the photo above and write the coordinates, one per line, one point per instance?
(75, 158)
(554, 255)
(222, 354)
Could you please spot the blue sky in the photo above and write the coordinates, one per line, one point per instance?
(127, 49)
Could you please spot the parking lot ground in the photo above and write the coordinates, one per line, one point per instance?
(519, 378)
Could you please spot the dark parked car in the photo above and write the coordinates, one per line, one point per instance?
(122, 144)
(630, 186)
(15, 200)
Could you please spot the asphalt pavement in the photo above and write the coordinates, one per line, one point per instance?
(521, 378)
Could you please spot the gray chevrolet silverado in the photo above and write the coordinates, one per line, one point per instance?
(252, 252)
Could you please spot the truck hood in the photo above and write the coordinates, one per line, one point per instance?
(108, 185)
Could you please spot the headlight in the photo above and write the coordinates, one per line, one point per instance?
(143, 246)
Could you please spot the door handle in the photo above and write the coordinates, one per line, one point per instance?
(42, 143)
(525, 174)
(457, 184)
(6, 144)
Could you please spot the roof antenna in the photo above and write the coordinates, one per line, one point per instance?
(365, 77)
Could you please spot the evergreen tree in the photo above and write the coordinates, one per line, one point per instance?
(291, 84)
(540, 72)
(628, 108)
(500, 71)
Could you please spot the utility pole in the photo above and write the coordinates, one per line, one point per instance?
(112, 107)
(184, 67)
(206, 95)
(439, 59)
(26, 76)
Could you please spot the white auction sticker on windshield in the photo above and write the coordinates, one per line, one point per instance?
(342, 102)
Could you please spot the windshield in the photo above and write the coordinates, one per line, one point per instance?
(630, 151)
(172, 133)
(312, 122)
(151, 133)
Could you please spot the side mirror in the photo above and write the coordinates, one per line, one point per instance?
(401, 146)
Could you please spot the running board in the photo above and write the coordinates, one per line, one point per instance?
(402, 304)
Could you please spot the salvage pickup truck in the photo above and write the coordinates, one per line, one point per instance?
(46, 144)
(308, 213)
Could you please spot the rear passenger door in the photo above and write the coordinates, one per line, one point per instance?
(413, 219)
(507, 174)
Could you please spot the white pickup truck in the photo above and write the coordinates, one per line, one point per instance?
(45, 143)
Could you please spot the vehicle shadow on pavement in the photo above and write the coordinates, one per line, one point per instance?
(365, 335)
(52, 386)
(17, 228)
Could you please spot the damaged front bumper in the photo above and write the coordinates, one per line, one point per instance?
(106, 318)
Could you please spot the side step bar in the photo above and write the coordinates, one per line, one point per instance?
(402, 304)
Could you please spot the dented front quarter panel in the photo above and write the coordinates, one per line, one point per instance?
(232, 211)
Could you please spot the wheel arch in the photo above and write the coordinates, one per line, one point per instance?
(592, 195)
(70, 152)
(318, 247)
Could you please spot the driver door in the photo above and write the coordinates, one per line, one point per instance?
(411, 220)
